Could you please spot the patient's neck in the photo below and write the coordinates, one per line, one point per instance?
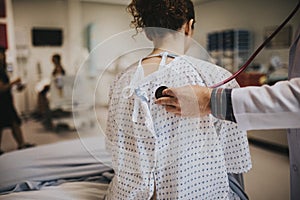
(172, 43)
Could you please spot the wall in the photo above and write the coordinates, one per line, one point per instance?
(253, 15)
(105, 22)
(35, 13)
(73, 18)
(111, 19)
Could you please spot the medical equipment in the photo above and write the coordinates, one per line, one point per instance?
(258, 49)
(68, 104)
(159, 90)
(243, 67)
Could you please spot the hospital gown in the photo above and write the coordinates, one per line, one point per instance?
(177, 157)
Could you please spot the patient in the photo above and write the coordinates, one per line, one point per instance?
(155, 154)
(8, 114)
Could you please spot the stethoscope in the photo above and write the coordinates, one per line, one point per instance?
(159, 90)
(243, 67)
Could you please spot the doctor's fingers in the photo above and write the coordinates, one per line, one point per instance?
(174, 110)
(169, 92)
(168, 101)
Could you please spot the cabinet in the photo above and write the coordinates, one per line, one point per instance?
(230, 48)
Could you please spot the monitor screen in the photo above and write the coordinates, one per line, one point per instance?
(47, 36)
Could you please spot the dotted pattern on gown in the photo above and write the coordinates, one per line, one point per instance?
(184, 158)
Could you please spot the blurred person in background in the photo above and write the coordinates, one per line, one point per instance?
(8, 114)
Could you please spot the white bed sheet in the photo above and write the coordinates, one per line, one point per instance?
(65, 191)
(44, 166)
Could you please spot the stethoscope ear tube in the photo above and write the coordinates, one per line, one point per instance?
(258, 49)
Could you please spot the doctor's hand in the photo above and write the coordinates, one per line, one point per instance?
(187, 101)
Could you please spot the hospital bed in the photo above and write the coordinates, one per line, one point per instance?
(70, 170)
(62, 99)
(76, 169)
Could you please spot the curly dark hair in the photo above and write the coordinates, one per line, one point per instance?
(168, 14)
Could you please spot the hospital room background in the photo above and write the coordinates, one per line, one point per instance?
(81, 25)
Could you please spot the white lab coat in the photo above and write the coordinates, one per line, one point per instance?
(268, 107)
(275, 107)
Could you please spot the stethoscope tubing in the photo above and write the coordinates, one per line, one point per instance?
(246, 64)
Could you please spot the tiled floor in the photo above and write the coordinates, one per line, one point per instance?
(268, 179)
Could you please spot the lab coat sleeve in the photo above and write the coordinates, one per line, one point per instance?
(268, 107)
